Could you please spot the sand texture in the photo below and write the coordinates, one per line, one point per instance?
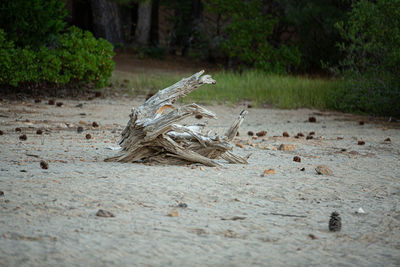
(271, 212)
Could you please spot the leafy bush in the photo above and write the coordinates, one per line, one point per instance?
(32, 23)
(247, 36)
(77, 58)
(371, 66)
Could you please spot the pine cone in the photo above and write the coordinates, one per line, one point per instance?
(335, 223)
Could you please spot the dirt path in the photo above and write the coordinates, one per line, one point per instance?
(228, 216)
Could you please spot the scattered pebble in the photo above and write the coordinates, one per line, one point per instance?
(360, 211)
(249, 105)
(23, 137)
(335, 222)
(97, 94)
(302, 169)
(18, 129)
(300, 134)
(59, 104)
(1, 193)
(285, 134)
(173, 213)
(250, 133)
(261, 133)
(1, 132)
(312, 236)
(240, 145)
(44, 165)
(269, 171)
(79, 105)
(199, 116)
(312, 119)
(88, 136)
(79, 129)
(297, 159)
(361, 123)
(361, 143)
(82, 122)
(388, 140)
(51, 102)
(39, 131)
(237, 133)
(95, 124)
(104, 213)
(287, 147)
(339, 138)
(323, 170)
(38, 100)
(312, 133)
(309, 137)
(182, 205)
(201, 168)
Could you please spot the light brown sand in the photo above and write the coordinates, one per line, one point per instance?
(48, 217)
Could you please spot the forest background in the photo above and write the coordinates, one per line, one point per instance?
(328, 54)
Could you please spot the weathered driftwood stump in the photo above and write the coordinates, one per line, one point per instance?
(153, 135)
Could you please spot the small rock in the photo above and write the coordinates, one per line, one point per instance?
(60, 104)
(302, 169)
(240, 145)
(82, 122)
(287, 147)
(312, 236)
(361, 123)
(97, 94)
(339, 138)
(1, 193)
(38, 100)
(309, 137)
(323, 170)
(249, 105)
(182, 205)
(297, 159)
(44, 165)
(1, 132)
(95, 124)
(201, 168)
(312, 133)
(250, 133)
(23, 137)
(285, 134)
(18, 129)
(261, 133)
(88, 136)
(388, 140)
(269, 171)
(300, 134)
(79, 105)
(51, 102)
(237, 133)
(104, 213)
(173, 213)
(39, 131)
(360, 143)
(79, 129)
(360, 211)
(199, 116)
(312, 119)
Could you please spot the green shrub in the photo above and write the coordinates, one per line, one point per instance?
(371, 67)
(247, 36)
(77, 58)
(32, 23)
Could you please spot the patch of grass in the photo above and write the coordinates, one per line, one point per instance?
(256, 87)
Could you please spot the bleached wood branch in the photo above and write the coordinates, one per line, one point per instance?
(153, 135)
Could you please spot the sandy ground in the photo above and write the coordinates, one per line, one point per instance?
(228, 216)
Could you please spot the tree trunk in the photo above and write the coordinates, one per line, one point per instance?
(143, 27)
(107, 21)
(153, 135)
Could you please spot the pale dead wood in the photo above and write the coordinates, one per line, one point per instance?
(152, 134)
